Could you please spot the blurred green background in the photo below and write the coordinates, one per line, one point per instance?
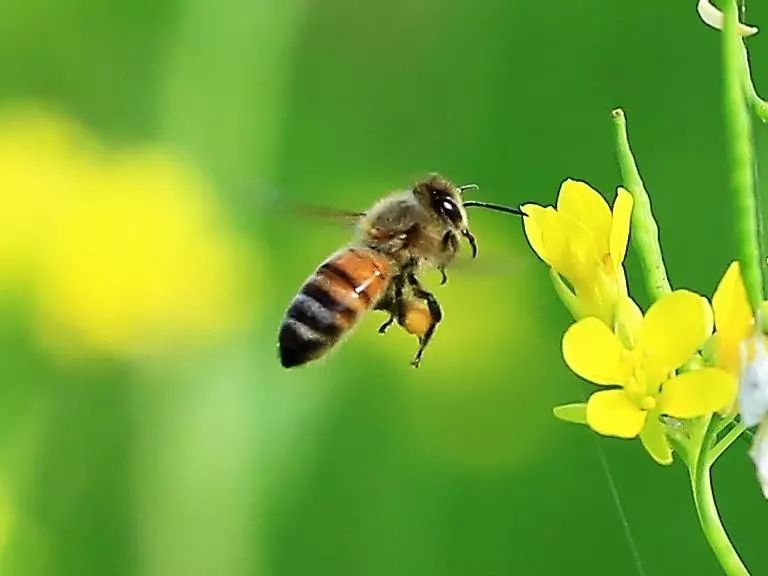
(145, 425)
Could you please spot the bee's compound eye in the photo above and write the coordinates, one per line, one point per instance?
(450, 210)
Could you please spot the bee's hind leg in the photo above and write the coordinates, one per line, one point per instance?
(393, 305)
(435, 313)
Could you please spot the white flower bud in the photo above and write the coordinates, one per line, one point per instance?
(714, 18)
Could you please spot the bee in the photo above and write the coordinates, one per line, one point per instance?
(400, 234)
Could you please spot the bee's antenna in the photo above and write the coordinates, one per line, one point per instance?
(497, 207)
(464, 187)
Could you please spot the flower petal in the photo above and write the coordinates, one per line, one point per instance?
(593, 352)
(587, 206)
(655, 441)
(558, 241)
(628, 319)
(612, 413)
(697, 393)
(622, 214)
(532, 225)
(576, 413)
(571, 248)
(733, 318)
(673, 329)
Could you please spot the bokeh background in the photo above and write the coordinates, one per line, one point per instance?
(149, 155)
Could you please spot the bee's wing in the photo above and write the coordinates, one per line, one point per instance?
(279, 204)
(329, 213)
(489, 264)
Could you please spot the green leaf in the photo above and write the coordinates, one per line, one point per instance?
(575, 413)
(655, 441)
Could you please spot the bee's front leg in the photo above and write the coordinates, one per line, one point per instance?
(444, 276)
(450, 245)
(435, 313)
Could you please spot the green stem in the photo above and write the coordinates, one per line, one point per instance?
(706, 508)
(741, 155)
(712, 526)
(645, 231)
(723, 423)
(758, 105)
(725, 442)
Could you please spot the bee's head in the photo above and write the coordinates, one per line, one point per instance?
(444, 198)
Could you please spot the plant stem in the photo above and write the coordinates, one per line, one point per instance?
(726, 441)
(758, 105)
(706, 508)
(645, 231)
(723, 423)
(701, 484)
(741, 155)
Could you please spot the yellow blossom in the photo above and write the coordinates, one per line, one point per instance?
(734, 321)
(584, 243)
(115, 251)
(742, 350)
(641, 376)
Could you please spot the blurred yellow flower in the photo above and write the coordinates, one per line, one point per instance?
(734, 321)
(117, 251)
(673, 329)
(584, 242)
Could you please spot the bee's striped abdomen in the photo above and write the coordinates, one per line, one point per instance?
(330, 302)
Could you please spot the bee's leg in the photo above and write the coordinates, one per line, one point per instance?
(394, 305)
(450, 247)
(386, 305)
(435, 313)
(444, 278)
(384, 327)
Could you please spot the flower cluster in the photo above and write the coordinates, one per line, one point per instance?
(649, 364)
(584, 242)
(688, 375)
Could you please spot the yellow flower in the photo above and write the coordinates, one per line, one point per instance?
(115, 252)
(584, 243)
(734, 321)
(673, 329)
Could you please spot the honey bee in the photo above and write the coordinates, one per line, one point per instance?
(396, 238)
